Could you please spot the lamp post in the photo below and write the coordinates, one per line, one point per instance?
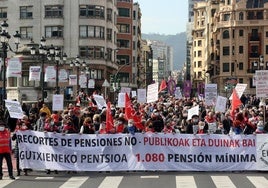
(55, 53)
(43, 53)
(76, 63)
(4, 38)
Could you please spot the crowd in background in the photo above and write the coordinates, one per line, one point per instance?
(167, 115)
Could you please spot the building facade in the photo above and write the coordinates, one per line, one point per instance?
(235, 35)
(86, 28)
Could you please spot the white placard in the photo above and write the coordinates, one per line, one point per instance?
(63, 75)
(14, 109)
(57, 103)
(121, 100)
(72, 80)
(13, 67)
(240, 88)
(221, 104)
(50, 74)
(210, 94)
(193, 111)
(34, 73)
(100, 101)
(152, 92)
(141, 97)
(178, 94)
(261, 81)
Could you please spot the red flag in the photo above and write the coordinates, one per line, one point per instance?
(128, 107)
(163, 85)
(130, 113)
(109, 118)
(236, 102)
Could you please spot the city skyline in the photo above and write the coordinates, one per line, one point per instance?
(172, 21)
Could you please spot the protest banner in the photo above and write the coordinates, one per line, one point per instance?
(101, 103)
(193, 111)
(210, 94)
(152, 93)
(221, 104)
(50, 74)
(117, 152)
(72, 80)
(141, 98)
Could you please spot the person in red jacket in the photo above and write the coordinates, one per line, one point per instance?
(5, 149)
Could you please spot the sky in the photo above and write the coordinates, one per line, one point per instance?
(163, 16)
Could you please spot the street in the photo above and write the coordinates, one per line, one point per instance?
(38, 179)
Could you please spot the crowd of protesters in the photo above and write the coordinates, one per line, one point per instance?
(167, 115)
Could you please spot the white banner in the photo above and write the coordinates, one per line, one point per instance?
(117, 152)
(72, 80)
(63, 75)
(262, 152)
(34, 73)
(14, 67)
(50, 74)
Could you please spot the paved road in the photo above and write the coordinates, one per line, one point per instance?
(139, 180)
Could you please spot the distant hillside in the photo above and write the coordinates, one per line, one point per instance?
(178, 42)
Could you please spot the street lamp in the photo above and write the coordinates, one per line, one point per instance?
(43, 54)
(76, 63)
(4, 38)
(55, 53)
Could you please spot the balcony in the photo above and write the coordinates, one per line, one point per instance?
(254, 55)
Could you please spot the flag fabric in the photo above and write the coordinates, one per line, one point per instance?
(236, 102)
(130, 113)
(109, 118)
(163, 85)
(128, 107)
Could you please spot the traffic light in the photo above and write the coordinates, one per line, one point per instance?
(111, 79)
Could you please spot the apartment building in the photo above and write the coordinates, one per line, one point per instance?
(87, 28)
(236, 36)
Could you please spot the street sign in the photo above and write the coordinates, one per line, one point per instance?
(106, 83)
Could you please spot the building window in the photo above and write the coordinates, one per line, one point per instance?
(225, 34)
(124, 28)
(226, 50)
(53, 31)
(123, 77)
(241, 49)
(240, 80)
(199, 42)
(109, 14)
(123, 43)
(250, 15)
(54, 11)
(123, 59)
(134, 15)
(109, 33)
(225, 67)
(259, 15)
(124, 12)
(266, 49)
(91, 31)
(241, 16)
(26, 12)
(241, 32)
(26, 82)
(26, 32)
(199, 53)
(92, 52)
(3, 12)
(12, 82)
(199, 64)
(241, 66)
(134, 30)
(226, 17)
(91, 11)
